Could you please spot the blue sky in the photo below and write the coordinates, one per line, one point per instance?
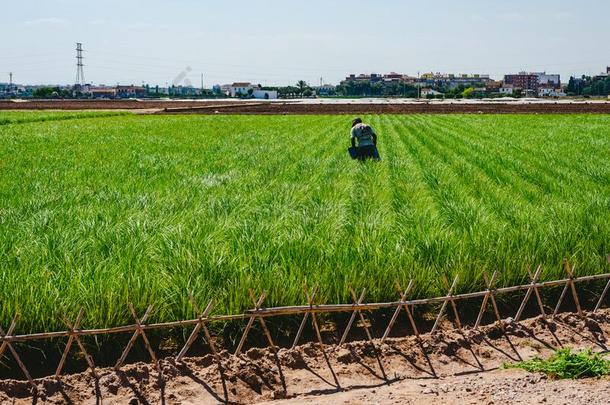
(281, 41)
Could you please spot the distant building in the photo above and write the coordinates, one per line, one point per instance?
(507, 89)
(545, 90)
(545, 79)
(239, 89)
(493, 85)
(102, 92)
(325, 89)
(264, 94)
(184, 91)
(452, 80)
(363, 77)
(398, 77)
(430, 92)
(523, 80)
(130, 91)
(532, 81)
(225, 89)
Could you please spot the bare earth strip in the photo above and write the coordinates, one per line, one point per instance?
(319, 106)
(467, 365)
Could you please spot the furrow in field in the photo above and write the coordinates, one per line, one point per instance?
(417, 218)
(556, 164)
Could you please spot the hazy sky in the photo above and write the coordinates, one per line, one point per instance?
(281, 41)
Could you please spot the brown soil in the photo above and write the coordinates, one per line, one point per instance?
(256, 107)
(461, 367)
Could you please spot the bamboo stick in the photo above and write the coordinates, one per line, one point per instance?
(537, 293)
(444, 306)
(456, 314)
(368, 332)
(528, 294)
(563, 294)
(574, 293)
(22, 366)
(304, 321)
(403, 297)
(314, 321)
(82, 348)
(193, 336)
(263, 324)
(11, 328)
(601, 297)
(357, 301)
(138, 329)
(64, 355)
(249, 324)
(486, 297)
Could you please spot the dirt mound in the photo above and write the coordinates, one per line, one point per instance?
(449, 365)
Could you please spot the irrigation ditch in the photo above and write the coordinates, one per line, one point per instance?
(373, 324)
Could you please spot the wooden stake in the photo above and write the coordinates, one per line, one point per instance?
(367, 330)
(563, 294)
(201, 324)
(489, 284)
(250, 323)
(494, 304)
(304, 321)
(6, 344)
(573, 287)
(11, 329)
(420, 341)
(357, 301)
(263, 324)
(601, 297)
(403, 297)
(314, 321)
(139, 331)
(538, 299)
(444, 306)
(74, 336)
(570, 283)
(454, 306)
(528, 294)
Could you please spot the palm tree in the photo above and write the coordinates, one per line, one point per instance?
(302, 85)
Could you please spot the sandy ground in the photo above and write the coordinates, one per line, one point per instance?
(457, 368)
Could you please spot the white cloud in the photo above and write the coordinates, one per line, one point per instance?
(47, 21)
(100, 21)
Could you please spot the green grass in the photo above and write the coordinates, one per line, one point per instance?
(19, 117)
(565, 364)
(101, 210)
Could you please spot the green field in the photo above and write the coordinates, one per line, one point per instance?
(100, 210)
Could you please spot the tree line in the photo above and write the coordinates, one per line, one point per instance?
(588, 86)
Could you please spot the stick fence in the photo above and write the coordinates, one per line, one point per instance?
(308, 311)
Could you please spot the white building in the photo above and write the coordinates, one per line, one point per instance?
(545, 79)
(240, 89)
(325, 89)
(507, 89)
(264, 94)
(430, 92)
(545, 91)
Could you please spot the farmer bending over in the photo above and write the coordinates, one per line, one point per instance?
(367, 141)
